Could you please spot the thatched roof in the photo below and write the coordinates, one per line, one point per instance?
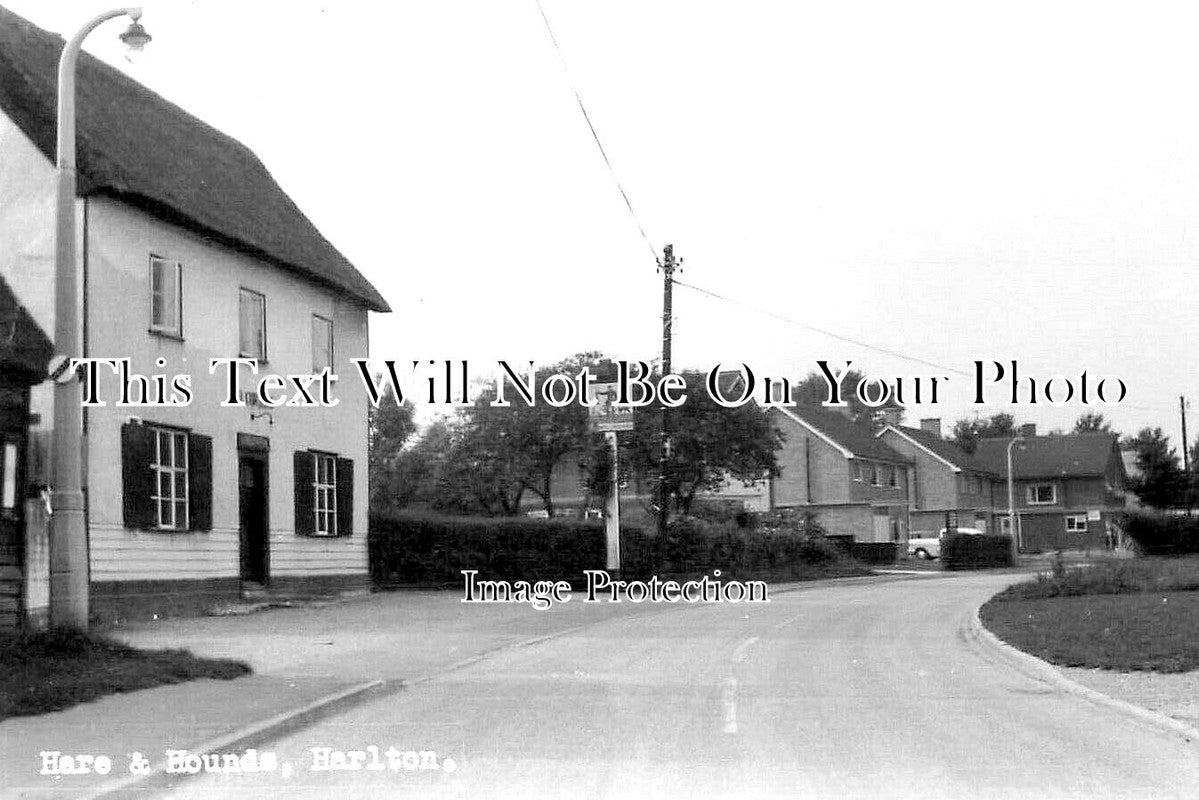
(137, 147)
(24, 347)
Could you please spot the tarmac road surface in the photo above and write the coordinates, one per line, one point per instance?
(849, 690)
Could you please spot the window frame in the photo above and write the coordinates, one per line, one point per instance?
(174, 469)
(242, 293)
(1030, 494)
(176, 330)
(324, 495)
(316, 370)
(1076, 518)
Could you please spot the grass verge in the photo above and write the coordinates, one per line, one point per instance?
(1152, 631)
(43, 671)
(1137, 614)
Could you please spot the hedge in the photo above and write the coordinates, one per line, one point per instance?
(1158, 534)
(428, 549)
(693, 547)
(875, 552)
(973, 551)
(422, 549)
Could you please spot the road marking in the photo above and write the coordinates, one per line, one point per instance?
(740, 653)
(729, 702)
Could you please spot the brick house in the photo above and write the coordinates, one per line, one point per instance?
(187, 250)
(947, 481)
(1067, 488)
(836, 467)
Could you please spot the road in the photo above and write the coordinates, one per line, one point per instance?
(853, 690)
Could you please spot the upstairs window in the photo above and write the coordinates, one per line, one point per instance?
(1042, 494)
(252, 325)
(166, 296)
(322, 343)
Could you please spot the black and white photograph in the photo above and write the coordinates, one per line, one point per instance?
(546, 398)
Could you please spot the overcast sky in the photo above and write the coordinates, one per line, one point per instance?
(951, 181)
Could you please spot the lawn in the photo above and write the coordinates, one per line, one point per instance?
(52, 670)
(1139, 614)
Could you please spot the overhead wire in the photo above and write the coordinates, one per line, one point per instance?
(595, 135)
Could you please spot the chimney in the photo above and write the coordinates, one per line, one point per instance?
(1028, 429)
(931, 425)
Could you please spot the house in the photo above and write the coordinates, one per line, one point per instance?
(187, 251)
(24, 353)
(1067, 488)
(947, 482)
(837, 467)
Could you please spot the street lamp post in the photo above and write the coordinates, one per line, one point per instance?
(1011, 501)
(68, 539)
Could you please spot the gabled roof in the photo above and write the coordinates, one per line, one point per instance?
(1076, 455)
(24, 347)
(945, 450)
(854, 439)
(135, 146)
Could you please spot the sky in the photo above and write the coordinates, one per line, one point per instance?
(952, 182)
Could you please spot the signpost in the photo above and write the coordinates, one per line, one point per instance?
(608, 418)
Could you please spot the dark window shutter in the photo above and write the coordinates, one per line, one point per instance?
(345, 497)
(137, 476)
(199, 481)
(302, 466)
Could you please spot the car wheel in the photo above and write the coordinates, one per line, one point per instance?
(921, 553)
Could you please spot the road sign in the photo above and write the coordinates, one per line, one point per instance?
(607, 415)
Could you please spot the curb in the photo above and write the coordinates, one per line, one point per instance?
(243, 737)
(272, 727)
(1042, 670)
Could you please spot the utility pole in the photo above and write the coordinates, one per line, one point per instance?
(1186, 446)
(667, 268)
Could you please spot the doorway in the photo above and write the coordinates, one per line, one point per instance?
(14, 417)
(253, 517)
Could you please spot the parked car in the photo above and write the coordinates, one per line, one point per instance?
(925, 545)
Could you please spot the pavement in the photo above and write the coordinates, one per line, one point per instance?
(828, 690)
(307, 661)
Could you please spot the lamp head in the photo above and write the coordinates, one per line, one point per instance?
(135, 37)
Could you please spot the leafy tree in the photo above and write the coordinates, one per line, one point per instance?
(967, 432)
(1092, 422)
(1161, 483)
(709, 444)
(813, 391)
(389, 428)
(411, 479)
(499, 453)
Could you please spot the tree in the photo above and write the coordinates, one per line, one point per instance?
(1092, 422)
(709, 445)
(1161, 483)
(813, 391)
(498, 453)
(389, 427)
(412, 478)
(967, 432)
